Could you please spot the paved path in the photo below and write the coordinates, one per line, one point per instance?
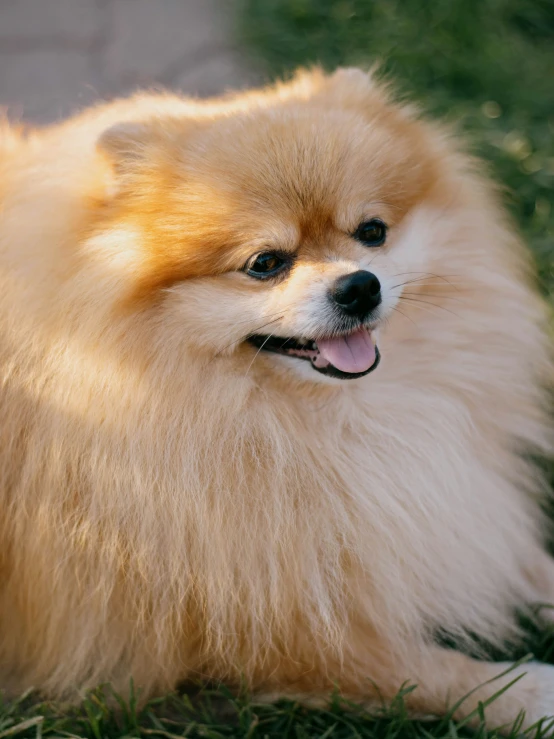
(59, 55)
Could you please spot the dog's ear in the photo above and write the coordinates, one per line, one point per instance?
(133, 149)
(347, 87)
(356, 88)
(354, 78)
(128, 143)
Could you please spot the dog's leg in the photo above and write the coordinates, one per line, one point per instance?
(446, 681)
(444, 677)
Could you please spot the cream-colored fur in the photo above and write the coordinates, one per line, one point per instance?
(174, 505)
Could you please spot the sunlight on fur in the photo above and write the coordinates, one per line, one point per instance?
(197, 478)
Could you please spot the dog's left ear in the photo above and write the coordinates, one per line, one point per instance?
(355, 88)
(348, 87)
(314, 82)
(354, 77)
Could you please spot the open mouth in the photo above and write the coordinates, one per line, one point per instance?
(344, 357)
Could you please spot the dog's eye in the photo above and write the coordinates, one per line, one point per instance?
(371, 233)
(267, 264)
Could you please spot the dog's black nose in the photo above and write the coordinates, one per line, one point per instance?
(358, 293)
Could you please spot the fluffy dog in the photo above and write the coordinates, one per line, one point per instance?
(273, 374)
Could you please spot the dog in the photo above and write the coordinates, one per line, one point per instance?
(274, 374)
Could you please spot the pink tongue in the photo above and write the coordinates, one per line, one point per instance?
(352, 353)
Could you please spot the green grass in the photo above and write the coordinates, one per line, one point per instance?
(217, 713)
(486, 63)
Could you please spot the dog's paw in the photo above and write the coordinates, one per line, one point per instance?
(519, 697)
(543, 709)
(531, 696)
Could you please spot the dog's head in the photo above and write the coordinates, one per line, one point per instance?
(280, 227)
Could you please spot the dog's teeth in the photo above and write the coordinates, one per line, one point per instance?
(307, 343)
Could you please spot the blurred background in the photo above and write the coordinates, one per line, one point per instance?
(60, 55)
(487, 65)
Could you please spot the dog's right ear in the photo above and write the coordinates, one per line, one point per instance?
(132, 149)
(126, 144)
